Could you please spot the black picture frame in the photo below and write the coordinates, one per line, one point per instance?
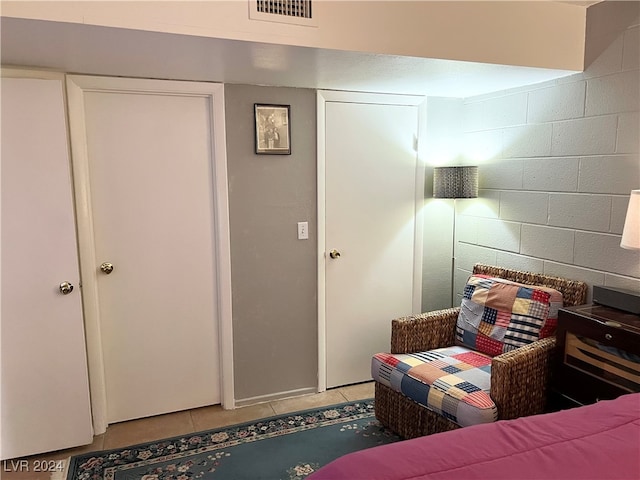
(272, 129)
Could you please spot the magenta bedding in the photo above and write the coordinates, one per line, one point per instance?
(600, 441)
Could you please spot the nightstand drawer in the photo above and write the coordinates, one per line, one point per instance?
(602, 361)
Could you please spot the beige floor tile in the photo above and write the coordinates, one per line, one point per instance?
(214, 417)
(22, 475)
(17, 469)
(308, 401)
(148, 429)
(98, 444)
(362, 391)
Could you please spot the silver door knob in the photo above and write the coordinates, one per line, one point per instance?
(106, 267)
(334, 253)
(66, 288)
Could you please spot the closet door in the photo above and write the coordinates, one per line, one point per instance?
(150, 157)
(45, 392)
(373, 187)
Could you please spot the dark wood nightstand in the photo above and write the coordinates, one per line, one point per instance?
(598, 354)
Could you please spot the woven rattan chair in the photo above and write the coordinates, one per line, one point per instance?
(519, 378)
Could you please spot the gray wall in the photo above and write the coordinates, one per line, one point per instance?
(557, 163)
(274, 275)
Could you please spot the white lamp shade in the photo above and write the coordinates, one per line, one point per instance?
(631, 232)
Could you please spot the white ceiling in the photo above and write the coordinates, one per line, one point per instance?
(95, 50)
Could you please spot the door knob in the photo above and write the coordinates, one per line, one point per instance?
(66, 288)
(106, 267)
(334, 253)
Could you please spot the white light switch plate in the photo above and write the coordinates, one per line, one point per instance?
(303, 230)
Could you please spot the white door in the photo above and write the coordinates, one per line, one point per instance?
(45, 389)
(371, 188)
(150, 161)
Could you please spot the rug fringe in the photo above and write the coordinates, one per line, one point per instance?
(61, 474)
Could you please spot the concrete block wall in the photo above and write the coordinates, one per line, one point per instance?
(557, 162)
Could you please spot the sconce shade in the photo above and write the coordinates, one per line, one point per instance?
(631, 231)
(455, 182)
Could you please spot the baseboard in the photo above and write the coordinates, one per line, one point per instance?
(243, 402)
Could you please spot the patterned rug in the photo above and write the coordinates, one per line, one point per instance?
(291, 446)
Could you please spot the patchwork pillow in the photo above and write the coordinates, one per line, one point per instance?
(498, 315)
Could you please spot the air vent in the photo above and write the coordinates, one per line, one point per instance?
(282, 11)
(289, 8)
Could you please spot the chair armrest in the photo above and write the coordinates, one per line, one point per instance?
(426, 331)
(520, 379)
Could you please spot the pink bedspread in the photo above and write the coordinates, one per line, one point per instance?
(600, 441)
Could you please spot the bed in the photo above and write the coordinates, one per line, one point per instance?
(600, 441)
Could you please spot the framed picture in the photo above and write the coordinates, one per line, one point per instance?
(273, 130)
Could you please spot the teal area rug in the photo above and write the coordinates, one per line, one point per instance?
(287, 447)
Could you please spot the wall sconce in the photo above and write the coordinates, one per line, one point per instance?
(455, 182)
(618, 298)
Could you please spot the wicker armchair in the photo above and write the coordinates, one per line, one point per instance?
(519, 378)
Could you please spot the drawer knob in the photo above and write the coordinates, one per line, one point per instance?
(608, 336)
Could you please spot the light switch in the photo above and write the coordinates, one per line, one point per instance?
(303, 230)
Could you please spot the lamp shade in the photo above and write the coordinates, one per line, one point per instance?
(631, 232)
(455, 182)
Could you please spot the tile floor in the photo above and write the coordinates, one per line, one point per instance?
(174, 424)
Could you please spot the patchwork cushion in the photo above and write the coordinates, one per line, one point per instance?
(497, 315)
(453, 382)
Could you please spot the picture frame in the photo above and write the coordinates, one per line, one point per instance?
(272, 129)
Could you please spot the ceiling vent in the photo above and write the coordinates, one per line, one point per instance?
(296, 12)
(290, 8)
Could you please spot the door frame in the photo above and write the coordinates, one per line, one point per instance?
(214, 92)
(328, 96)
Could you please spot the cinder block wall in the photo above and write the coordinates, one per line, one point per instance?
(557, 163)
